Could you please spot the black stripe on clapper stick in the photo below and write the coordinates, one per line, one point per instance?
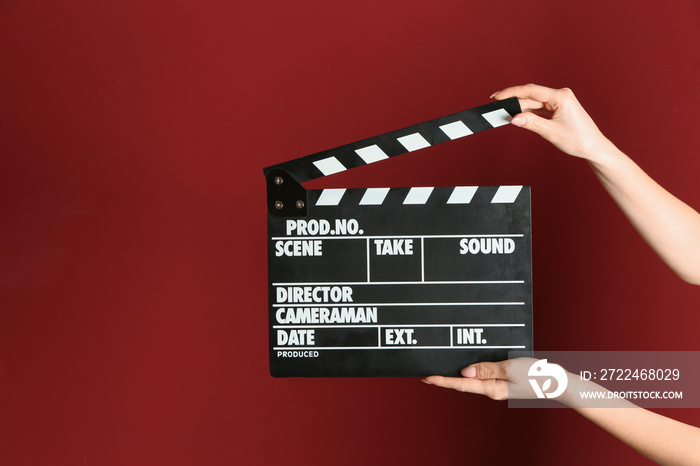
(287, 198)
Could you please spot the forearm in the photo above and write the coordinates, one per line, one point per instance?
(659, 438)
(668, 225)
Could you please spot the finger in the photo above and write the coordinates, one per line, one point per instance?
(541, 112)
(529, 91)
(534, 123)
(529, 105)
(524, 102)
(455, 383)
(495, 389)
(487, 370)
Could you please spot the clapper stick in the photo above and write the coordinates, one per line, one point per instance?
(289, 199)
(407, 281)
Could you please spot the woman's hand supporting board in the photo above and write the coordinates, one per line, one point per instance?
(662, 439)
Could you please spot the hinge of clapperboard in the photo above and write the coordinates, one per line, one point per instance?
(286, 197)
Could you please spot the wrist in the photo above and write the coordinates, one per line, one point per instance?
(602, 154)
(567, 398)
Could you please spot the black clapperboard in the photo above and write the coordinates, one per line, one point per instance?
(397, 281)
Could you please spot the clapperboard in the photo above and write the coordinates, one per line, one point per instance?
(397, 281)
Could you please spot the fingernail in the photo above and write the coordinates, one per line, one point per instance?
(469, 372)
(425, 381)
(518, 121)
(494, 94)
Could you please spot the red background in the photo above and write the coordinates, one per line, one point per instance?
(133, 293)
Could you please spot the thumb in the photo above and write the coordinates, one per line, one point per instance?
(534, 123)
(487, 370)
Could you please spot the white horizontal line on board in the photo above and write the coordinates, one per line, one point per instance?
(306, 348)
(392, 304)
(276, 238)
(465, 282)
(374, 326)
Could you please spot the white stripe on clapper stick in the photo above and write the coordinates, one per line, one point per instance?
(371, 154)
(330, 196)
(418, 196)
(329, 166)
(506, 194)
(462, 195)
(374, 196)
(413, 142)
(498, 117)
(456, 130)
